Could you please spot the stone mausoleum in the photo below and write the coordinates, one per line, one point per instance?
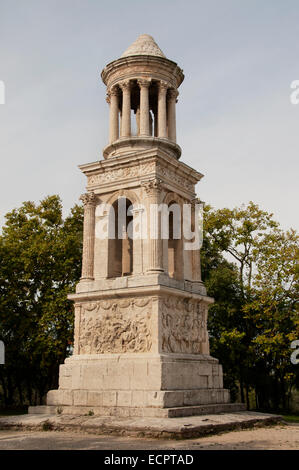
(141, 345)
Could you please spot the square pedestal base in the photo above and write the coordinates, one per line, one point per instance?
(140, 385)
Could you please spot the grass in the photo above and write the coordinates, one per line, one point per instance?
(291, 418)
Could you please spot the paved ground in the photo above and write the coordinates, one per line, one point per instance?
(140, 427)
(276, 437)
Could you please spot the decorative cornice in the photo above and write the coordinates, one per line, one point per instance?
(142, 143)
(167, 67)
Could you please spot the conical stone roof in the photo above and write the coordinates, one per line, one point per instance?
(144, 45)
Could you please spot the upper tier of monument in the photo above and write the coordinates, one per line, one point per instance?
(142, 90)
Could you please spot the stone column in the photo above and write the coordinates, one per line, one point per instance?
(113, 95)
(196, 265)
(171, 104)
(144, 106)
(138, 222)
(126, 109)
(138, 120)
(126, 254)
(89, 201)
(155, 248)
(162, 121)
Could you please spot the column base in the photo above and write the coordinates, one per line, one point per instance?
(158, 271)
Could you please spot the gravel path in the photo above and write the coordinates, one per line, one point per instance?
(276, 437)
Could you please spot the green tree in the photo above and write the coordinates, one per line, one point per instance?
(40, 262)
(274, 310)
(248, 264)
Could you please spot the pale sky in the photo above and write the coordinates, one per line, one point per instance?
(235, 122)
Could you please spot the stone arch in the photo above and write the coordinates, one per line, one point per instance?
(129, 194)
(169, 197)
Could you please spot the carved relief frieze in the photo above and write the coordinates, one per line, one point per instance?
(173, 177)
(116, 326)
(121, 173)
(138, 171)
(184, 325)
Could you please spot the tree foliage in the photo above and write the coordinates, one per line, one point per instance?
(250, 267)
(40, 259)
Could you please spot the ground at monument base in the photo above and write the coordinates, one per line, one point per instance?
(174, 428)
(138, 412)
(276, 437)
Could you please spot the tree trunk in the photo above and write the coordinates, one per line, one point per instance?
(256, 399)
(247, 397)
(242, 390)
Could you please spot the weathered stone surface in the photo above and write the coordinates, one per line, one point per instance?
(144, 45)
(141, 345)
(184, 325)
(116, 326)
(110, 407)
(159, 427)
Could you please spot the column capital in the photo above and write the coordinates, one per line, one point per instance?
(125, 85)
(152, 186)
(113, 91)
(88, 199)
(196, 200)
(144, 82)
(173, 93)
(163, 86)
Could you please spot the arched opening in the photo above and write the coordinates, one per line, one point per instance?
(120, 244)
